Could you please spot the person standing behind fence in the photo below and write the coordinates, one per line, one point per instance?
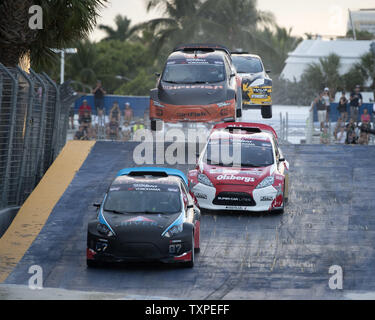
(84, 107)
(355, 103)
(341, 136)
(115, 112)
(327, 101)
(99, 94)
(100, 123)
(322, 111)
(343, 107)
(128, 113)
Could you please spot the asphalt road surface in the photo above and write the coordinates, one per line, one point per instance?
(329, 220)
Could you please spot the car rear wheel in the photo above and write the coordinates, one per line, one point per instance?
(239, 113)
(266, 112)
(93, 264)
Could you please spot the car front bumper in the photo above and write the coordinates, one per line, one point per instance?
(263, 198)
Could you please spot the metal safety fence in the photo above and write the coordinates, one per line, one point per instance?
(33, 125)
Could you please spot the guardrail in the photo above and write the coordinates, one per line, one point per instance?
(33, 124)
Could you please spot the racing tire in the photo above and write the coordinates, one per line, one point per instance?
(238, 113)
(93, 264)
(190, 264)
(266, 112)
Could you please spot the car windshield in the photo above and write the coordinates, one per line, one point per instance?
(246, 152)
(247, 64)
(194, 73)
(143, 198)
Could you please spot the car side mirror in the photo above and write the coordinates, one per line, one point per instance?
(157, 74)
(190, 206)
(281, 159)
(232, 75)
(268, 71)
(97, 205)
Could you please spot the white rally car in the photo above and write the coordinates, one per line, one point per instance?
(241, 168)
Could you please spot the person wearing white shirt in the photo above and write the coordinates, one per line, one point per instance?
(341, 136)
(100, 123)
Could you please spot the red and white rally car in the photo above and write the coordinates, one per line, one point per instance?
(241, 168)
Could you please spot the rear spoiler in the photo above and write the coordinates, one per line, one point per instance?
(202, 47)
(247, 126)
(153, 171)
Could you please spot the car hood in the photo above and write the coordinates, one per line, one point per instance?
(236, 176)
(249, 78)
(192, 94)
(137, 224)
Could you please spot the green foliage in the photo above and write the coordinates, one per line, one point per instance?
(64, 22)
(122, 32)
(139, 86)
(116, 63)
(360, 35)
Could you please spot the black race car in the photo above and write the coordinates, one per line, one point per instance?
(198, 84)
(147, 215)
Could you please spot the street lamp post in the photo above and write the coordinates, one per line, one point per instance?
(62, 62)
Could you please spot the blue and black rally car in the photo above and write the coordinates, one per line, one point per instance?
(147, 214)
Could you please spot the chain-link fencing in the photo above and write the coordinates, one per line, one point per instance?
(33, 125)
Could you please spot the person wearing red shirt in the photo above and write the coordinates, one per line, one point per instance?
(84, 107)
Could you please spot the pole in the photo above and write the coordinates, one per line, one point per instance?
(62, 69)
(351, 22)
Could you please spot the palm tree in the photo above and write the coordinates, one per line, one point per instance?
(324, 74)
(122, 32)
(281, 42)
(82, 66)
(64, 21)
(178, 23)
(234, 23)
(15, 35)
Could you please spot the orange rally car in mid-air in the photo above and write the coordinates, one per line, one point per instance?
(199, 84)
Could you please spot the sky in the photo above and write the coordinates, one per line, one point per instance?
(324, 17)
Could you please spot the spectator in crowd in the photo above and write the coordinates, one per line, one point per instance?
(327, 102)
(81, 134)
(365, 117)
(355, 103)
(126, 130)
(99, 94)
(322, 111)
(351, 134)
(86, 122)
(100, 124)
(343, 107)
(363, 138)
(339, 124)
(84, 107)
(128, 112)
(324, 136)
(341, 136)
(139, 125)
(113, 129)
(71, 117)
(115, 112)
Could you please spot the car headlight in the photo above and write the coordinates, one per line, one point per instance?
(104, 230)
(202, 178)
(223, 104)
(157, 104)
(266, 182)
(174, 230)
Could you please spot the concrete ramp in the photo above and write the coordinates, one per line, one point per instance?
(329, 220)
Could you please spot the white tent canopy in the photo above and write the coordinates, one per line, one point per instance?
(309, 51)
